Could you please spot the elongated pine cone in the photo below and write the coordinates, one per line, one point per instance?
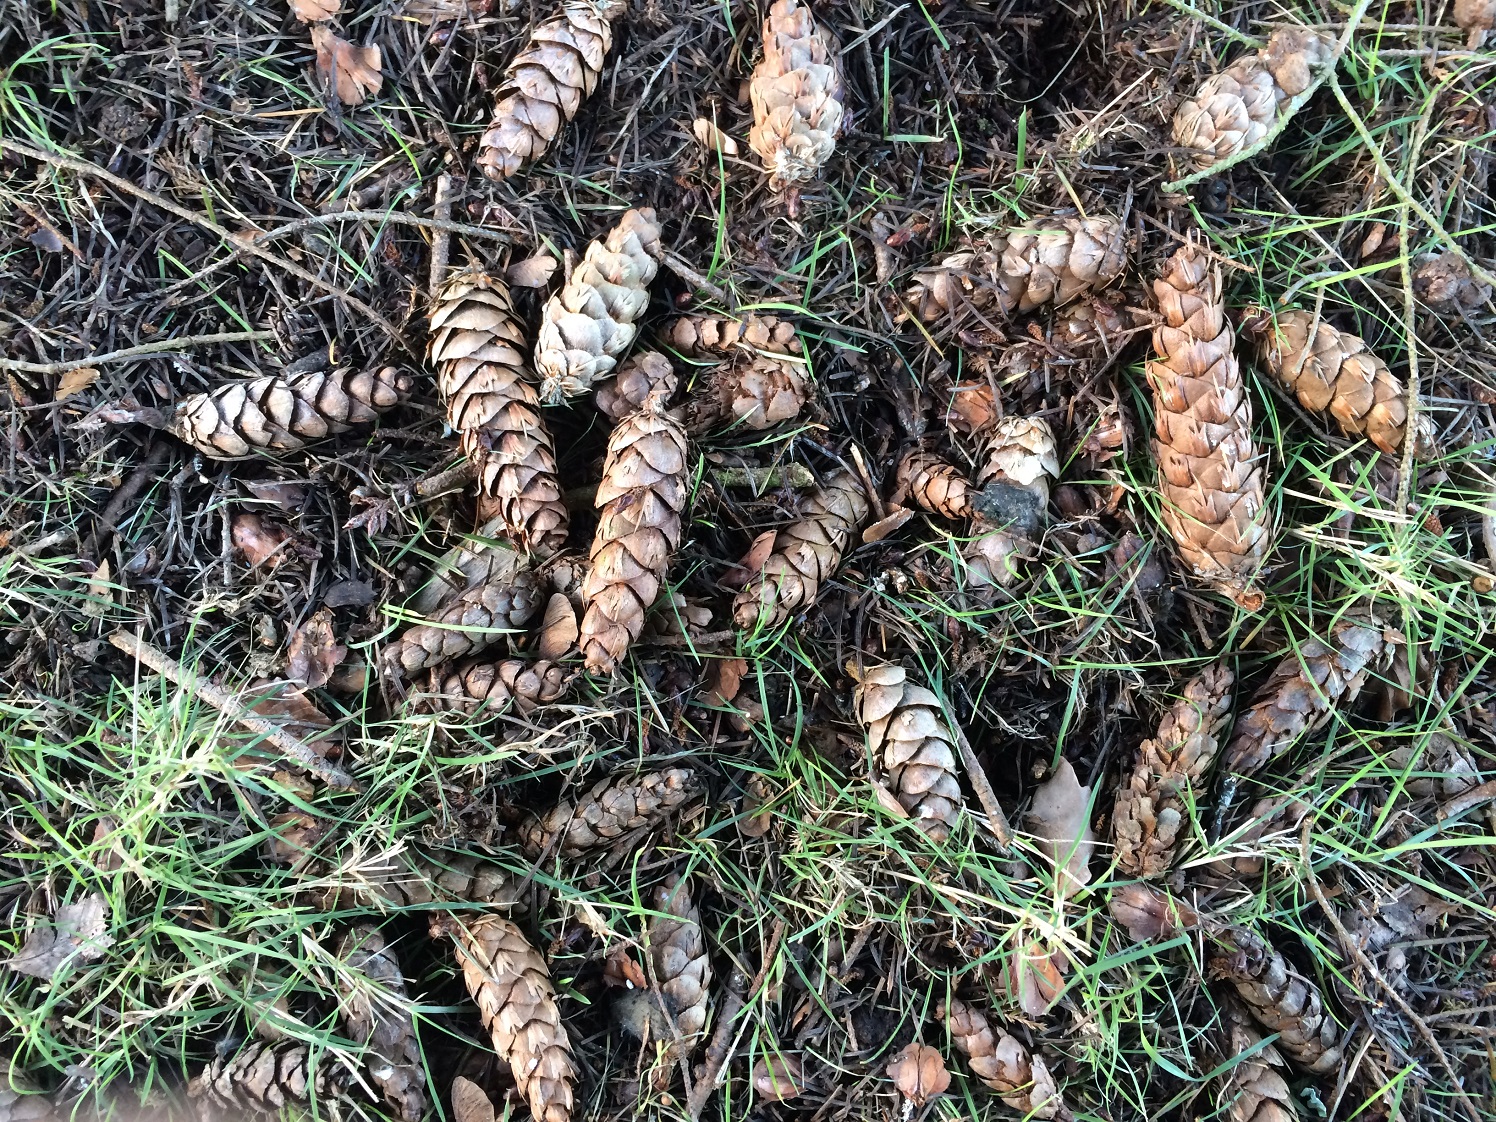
(796, 90)
(475, 621)
(266, 1078)
(1048, 260)
(640, 500)
(508, 981)
(20, 1100)
(934, 483)
(1236, 108)
(1279, 998)
(720, 337)
(412, 878)
(1335, 373)
(1302, 693)
(492, 688)
(908, 736)
(1210, 471)
(1003, 1064)
(546, 83)
(632, 383)
(805, 553)
(589, 324)
(374, 1013)
(1252, 1091)
(284, 414)
(677, 949)
(610, 809)
(1019, 460)
(1152, 804)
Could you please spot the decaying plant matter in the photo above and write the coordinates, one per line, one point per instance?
(475, 621)
(805, 553)
(512, 988)
(796, 90)
(909, 738)
(1236, 108)
(640, 500)
(1209, 468)
(1252, 1090)
(589, 324)
(546, 83)
(934, 483)
(411, 878)
(677, 951)
(605, 812)
(1477, 17)
(285, 414)
(1048, 260)
(374, 1013)
(1279, 998)
(20, 1101)
(266, 1078)
(1152, 803)
(1003, 1064)
(1019, 459)
(494, 687)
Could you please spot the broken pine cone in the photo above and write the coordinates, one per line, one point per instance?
(1279, 998)
(607, 811)
(1003, 1064)
(677, 950)
(375, 1013)
(935, 484)
(920, 1074)
(492, 688)
(752, 392)
(1236, 109)
(1019, 459)
(909, 738)
(587, 326)
(1445, 283)
(1251, 1090)
(473, 622)
(412, 878)
(796, 90)
(266, 1078)
(284, 414)
(545, 84)
(632, 383)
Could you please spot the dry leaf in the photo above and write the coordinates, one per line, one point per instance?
(469, 1102)
(47, 240)
(919, 1073)
(757, 814)
(79, 929)
(777, 1078)
(888, 524)
(712, 138)
(112, 859)
(558, 631)
(351, 72)
(349, 594)
(260, 541)
(312, 11)
(1060, 820)
(752, 563)
(972, 408)
(100, 594)
(284, 704)
(1034, 980)
(1149, 913)
(76, 380)
(532, 272)
(292, 837)
(620, 968)
(314, 651)
(723, 681)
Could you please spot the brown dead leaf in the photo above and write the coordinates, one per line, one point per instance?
(778, 1078)
(1060, 820)
(75, 381)
(620, 968)
(532, 272)
(712, 138)
(77, 931)
(723, 681)
(1034, 980)
(313, 11)
(558, 630)
(1149, 913)
(262, 542)
(889, 524)
(757, 814)
(752, 563)
(314, 651)
(470, 1103)
(284, 704)
(109, 860)
(919, 1073)
(972, 408)
(100, 597)
(352, 73)
(293, 835)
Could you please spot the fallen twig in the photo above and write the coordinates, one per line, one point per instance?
(720, 1050)
(441, 242)
(160, 345)
(997, 821)
(682, 269)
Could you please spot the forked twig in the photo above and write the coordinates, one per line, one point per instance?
(719, 1051)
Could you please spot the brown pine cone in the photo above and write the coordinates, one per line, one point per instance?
(412, 878)
(473, 622)
(589, 324)
(266, 1078)
(610, 809)
(805, 553)
(284, 414)
(1476, 17)
(492, 688)
(1302, 693)
(1236, 108)
(1019, 459)
(546, 83)
(908, 736)
(508, 980)
(934, 483)
(1004, 1065)
(1279, 998)
(20, 1101)
(1251, 1091)
(677, 950)
(754, 392)
(1152, 803)
(796, 90)
(1210, 470)
(1444, 282)
(722, 337)
(632, 383)
(375, 1012)
(640, 500)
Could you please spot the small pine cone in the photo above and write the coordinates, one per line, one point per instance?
(1004, 1065)
(492, 688)
(284, 414)
(754, 392)
(805, 553)
(1477, 17)
(508, 981)
(412, 878)
(1279, 998)
(1210, 471)
(375, 1013)
(475, 621)
(935, 484)
(640, 500)
(796, 90)
(1302, 692)
(1151, 805)
(1236, 108)
(908, 736)
(677, 950)
(1251, 1091)
(20, 1100)
(589, 324)
(603, 814)
(1444, 282)
(633, 382)
(265, 1078)
(1019, 460)
(1049, 260)
(719, 337)
(546, 83)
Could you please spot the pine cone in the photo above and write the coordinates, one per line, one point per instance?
(1476, 17)
(508, 981)
(589, 324)
(1211, 475)
(1236, 108)
(1251, 1091)
(546, 83)
(1047, 260)
(20, 1101)
(805, 553)
(753, 393)
(1004, 1065)
(284, 414)
(1444, 282)
(677, 950)
(375, 1013)
(412, 878)
(610, 809)
(908, 735)
(1019, 460)
(266, 1078)
(632, 383)
(640, 500)
(491, 688)
(1281, 999)
(796, 90)
(935, 484)
(473, 622)
(1302, 693)
(723, 337)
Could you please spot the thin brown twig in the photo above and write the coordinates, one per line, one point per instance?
(997, 821)
(681, 268)
(719, 1051)
(158, 347)
(441, 243)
